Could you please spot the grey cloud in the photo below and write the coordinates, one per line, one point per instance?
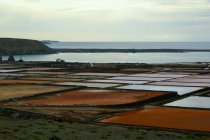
(106, 20)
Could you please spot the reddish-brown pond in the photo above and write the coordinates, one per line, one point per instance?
(176, 118)
(96, 97)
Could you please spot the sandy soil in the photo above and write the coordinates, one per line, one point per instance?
(15, 91)
(81, 114)
(44, 72)
(176, 118)
(41, 68)
(23, 82)
(50, 79)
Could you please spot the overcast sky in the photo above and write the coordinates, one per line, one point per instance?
(106, 20)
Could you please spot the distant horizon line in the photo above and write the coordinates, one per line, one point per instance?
(130, 41)
(107, 41)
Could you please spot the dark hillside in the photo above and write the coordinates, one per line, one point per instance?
(23, 46)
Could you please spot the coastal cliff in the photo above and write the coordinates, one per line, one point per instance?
(23, 46)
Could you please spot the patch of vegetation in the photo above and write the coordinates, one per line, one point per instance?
(39, 133)
(54, 138)
(23, 46)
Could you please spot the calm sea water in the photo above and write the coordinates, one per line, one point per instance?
(125, 57)
(130, 45)
(121, 57)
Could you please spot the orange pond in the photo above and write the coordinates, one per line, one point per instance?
(165, 117)
(96, 97)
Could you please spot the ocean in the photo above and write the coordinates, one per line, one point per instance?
(130, 45)
(124, 57)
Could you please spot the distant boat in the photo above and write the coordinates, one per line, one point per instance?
(21, 59)
(133, 50)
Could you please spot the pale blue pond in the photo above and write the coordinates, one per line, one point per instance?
(193, 101)
(180, 90)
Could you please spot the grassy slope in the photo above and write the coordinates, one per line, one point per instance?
(22, 46)
(45, 129)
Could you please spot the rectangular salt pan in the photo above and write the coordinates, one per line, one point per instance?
(200, 77)
(192, 102)
(98, 74)
(176, 73)
(164, 117)
(181, 84)
(96, 85)
(13, 74)
(179, 90)
(132, 78)
(9, 70)
(119, 81)
(157, 75)
(41, 69)
(191, 80)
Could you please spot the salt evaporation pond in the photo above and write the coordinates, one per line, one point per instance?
(132, 78)
(96, 85)
(181, 84)
(119, 81)
(191, 80)
(192, 102)
(157, 75)
(180, 90)
(98, 74)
